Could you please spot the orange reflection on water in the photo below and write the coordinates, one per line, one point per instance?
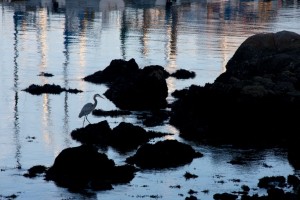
(42, 37)
(46, 119)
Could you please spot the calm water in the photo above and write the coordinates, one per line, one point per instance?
(81, 37)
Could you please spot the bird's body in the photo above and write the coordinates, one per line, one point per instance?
(88, 108)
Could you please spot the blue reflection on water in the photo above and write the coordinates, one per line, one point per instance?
(72, 39)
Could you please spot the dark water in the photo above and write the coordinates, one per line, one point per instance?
(77, 38)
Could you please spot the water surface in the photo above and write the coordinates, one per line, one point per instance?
(78, 38)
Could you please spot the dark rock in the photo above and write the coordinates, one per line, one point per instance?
(45, 74)
(163, 154)
(10, 197)
(183, 74)
(70, 90)
(293, 151)
(192, 192)
(117, 69)
(294, 181)
(264, 54)
(188, 175)
(258, 95)
(131, 88)
(111, 113)
(276, 187)
(245, 188)
(83, 167)
(275, 193)
(237, 161)
(99, 133)
(272, 182)
(191, 197)
(35, 170)
(225, 196)
(48, 88)
(124, 137)
(154, 118)
(146, 90)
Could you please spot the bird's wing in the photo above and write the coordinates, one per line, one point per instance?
(86, 109)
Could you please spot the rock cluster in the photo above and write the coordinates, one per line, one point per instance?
(254, 103)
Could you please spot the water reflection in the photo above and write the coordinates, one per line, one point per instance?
(18, 18)
(42, 38)
(210, 27)
(171, 18)
(66, 129)
(72, 38)
(110, 5)
(172, 26)
(157, 26)
(46, 120)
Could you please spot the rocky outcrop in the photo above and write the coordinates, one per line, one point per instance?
(124, 137)
(115, 70)
(254, 102)
(133, 88)
(163, 154)
(146, 90)
(83, 167)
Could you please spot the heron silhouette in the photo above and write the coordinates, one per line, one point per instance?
(88, 108)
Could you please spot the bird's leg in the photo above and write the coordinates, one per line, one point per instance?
(83, 122)
(87, 119)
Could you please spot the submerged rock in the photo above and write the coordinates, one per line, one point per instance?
(35, 170)
(225, 196)
(272, 182)
(48, 88)
(163, 154)
(111, 113)
(154, 118)
(183, 74)
(45, 74)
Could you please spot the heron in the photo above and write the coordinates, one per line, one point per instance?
(88, 108)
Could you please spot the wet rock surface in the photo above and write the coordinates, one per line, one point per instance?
(163, 154)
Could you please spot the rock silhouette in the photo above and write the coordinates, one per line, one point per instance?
(83, 167)
(163, 154)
